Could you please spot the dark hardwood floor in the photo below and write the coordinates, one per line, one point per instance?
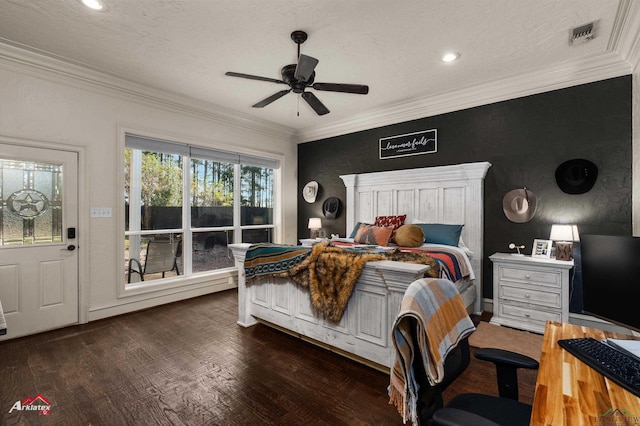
(188, 363)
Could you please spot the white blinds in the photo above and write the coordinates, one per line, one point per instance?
(158, 145)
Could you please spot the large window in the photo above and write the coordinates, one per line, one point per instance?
(185, 204)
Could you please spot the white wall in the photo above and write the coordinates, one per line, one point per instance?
(51, 104)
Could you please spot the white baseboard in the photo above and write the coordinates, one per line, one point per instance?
(123, 308)
(487, 305)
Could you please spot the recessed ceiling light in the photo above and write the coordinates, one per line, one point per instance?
(450, 57)
(94, 4)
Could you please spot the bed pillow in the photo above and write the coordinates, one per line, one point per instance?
(393, 222)
(355, 229)
(371, 234)
(409, 235)
(439, 233)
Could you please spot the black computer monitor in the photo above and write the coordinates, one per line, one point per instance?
(611, 278)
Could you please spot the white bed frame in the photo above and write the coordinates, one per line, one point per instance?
(443, 194)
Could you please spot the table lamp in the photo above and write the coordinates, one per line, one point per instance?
(564, 236)
(315, 224)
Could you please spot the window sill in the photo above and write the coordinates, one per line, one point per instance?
(181, 283)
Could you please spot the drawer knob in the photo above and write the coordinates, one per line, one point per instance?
(527, 315)
(527, 276)
(528, 296)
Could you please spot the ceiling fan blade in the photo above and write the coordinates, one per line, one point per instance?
(305, 67)
(315, 103)
(263, 103)
(358, 89)
(253, 77)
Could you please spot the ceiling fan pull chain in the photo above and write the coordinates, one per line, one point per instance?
(298, 105)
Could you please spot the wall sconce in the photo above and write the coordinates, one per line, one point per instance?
(564, 236)
(315, 224)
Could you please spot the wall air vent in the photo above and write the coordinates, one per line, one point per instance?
(581, 34)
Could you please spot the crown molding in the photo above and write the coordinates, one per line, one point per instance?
(32, 62)
(625, 36)
(587, 70)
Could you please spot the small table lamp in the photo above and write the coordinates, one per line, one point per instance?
(315, 224)
(564, 236)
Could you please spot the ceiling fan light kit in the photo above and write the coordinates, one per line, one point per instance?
(301, 76)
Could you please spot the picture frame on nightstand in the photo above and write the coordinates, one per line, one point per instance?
(541, 248)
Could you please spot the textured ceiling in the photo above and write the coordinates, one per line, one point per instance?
(185, 47)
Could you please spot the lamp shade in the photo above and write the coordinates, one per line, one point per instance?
(564, 233)
(315, 223)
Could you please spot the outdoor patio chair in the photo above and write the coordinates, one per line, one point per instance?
(162, 256)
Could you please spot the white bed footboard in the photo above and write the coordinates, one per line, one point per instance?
(364, 330)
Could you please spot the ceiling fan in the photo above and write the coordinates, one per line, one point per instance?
(301, 76)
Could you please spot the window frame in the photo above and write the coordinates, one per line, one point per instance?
(206, 278)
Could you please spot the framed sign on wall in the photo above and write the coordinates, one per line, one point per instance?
(422, 142)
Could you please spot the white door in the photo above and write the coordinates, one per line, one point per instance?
(38, 223)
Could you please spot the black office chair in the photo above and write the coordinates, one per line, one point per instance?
(473, 408)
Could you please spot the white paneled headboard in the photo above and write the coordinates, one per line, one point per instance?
(442, 194)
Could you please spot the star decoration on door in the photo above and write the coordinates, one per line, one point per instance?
(28, 203)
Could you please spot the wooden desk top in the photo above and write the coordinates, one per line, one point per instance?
(568, 392)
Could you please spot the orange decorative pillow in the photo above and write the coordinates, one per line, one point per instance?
(370, 234)
(393, 222)
(409, 236)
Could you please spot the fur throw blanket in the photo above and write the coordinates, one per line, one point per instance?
(330, 273)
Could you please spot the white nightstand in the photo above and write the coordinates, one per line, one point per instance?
(528, 291)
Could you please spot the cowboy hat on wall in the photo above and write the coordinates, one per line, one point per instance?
(331, 208)
(519, 205)
(576, 176)
(310, 191)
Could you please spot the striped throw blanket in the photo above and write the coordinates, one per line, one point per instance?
(452, 264)
(433, 315)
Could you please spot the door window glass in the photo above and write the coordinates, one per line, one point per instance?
(31, 210)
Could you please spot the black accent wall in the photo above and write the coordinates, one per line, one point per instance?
(525, 140)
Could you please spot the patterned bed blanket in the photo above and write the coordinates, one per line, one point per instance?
(269, 259)
(452, 265)
(330, 273)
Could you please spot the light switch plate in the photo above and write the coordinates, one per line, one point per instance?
(101, 212)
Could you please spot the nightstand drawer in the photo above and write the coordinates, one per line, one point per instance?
(531, 275)
(527, 295)
(529, 314)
